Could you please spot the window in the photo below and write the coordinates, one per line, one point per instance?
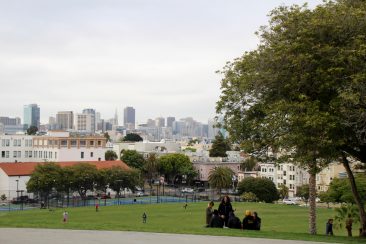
(3, 142)
(30, 143)
(35, 154)
(7, 154)
(55, 155)
(73, 143)
(26, 154)
(7, 143)
(82, 155)
(82, 143)
(91, 143)
(19, 142)
(30, 154)
(40, 154)
(3, 154)
(19, 154)
(284, 182)
(14, 154)
(15, 142)
(45, 154)
(284, 173)
(91, 154)
(99, 143)
(63, 143)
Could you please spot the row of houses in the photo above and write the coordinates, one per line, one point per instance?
(61, 146)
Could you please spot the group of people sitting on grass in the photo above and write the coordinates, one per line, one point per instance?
(224, 217)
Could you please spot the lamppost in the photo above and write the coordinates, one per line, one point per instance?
(17, 189)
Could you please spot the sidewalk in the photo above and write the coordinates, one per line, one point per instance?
(52, 236)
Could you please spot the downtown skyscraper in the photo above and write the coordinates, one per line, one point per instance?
(129, 117)
(31, 115)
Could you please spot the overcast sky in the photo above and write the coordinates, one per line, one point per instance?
(159, 56)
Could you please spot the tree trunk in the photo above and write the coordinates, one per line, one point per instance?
(312, 202)
(356, 195)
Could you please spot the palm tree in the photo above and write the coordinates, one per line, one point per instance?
(342, 215)
(220, 178)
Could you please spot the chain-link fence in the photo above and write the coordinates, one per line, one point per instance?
(22, 200)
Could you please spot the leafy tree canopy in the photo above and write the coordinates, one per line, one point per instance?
(133, 159)
(175, 165)
(340, 190)
(220, 178)
(263, 188)
(110, 155)
(32, 130)
(132, 137)
(219, 146)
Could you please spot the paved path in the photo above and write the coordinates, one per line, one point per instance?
(53, 236)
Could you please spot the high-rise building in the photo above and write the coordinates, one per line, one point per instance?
(169, 122)
(65, 120)
(91, 112)
(31, 115)
(84, 123)
(52, 124)
(150, 123)
(212, 128)
(115, 122)
(10, 121)
(160, 122)
(129, 117)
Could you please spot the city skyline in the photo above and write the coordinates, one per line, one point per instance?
(159, 57)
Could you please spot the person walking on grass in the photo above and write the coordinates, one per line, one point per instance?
(96, 207)
(144, 217)
(65, 216)
(329, 227)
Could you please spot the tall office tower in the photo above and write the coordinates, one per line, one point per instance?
(31, 115)
(129, 117)
(52, 125)
(65, 120)
(160, 122)
(169, 122)
(10, 121)
(212, 129)
(98, 117)
(150, 123)
(91, 112)
(85, 123)
(115, 122)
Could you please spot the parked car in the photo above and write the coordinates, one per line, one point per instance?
(139, 194)
(187, 190)
(289, 202)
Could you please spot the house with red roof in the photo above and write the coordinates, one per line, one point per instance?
(14, 176)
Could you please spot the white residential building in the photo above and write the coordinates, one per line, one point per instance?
(56, 146)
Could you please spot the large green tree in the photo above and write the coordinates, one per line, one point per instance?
(133, 159)
(263, 188)
(110, 155)
(84, 178)
(340, 190)
(219, 146)
(220, 178)
(175, 166)
(119, 179)
(301, 93)
(32, 130)
(44, 179)
(132, 137)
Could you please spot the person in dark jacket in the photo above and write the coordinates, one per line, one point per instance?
(248, 221)
(225, 208)
(329, 227)
(233, 222)
(216, 220)
(257, 221)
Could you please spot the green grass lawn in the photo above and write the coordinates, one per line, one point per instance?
(278, 221)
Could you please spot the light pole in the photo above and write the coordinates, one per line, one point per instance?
(17, 189)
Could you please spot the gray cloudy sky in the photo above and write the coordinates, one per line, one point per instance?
(159, 56)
